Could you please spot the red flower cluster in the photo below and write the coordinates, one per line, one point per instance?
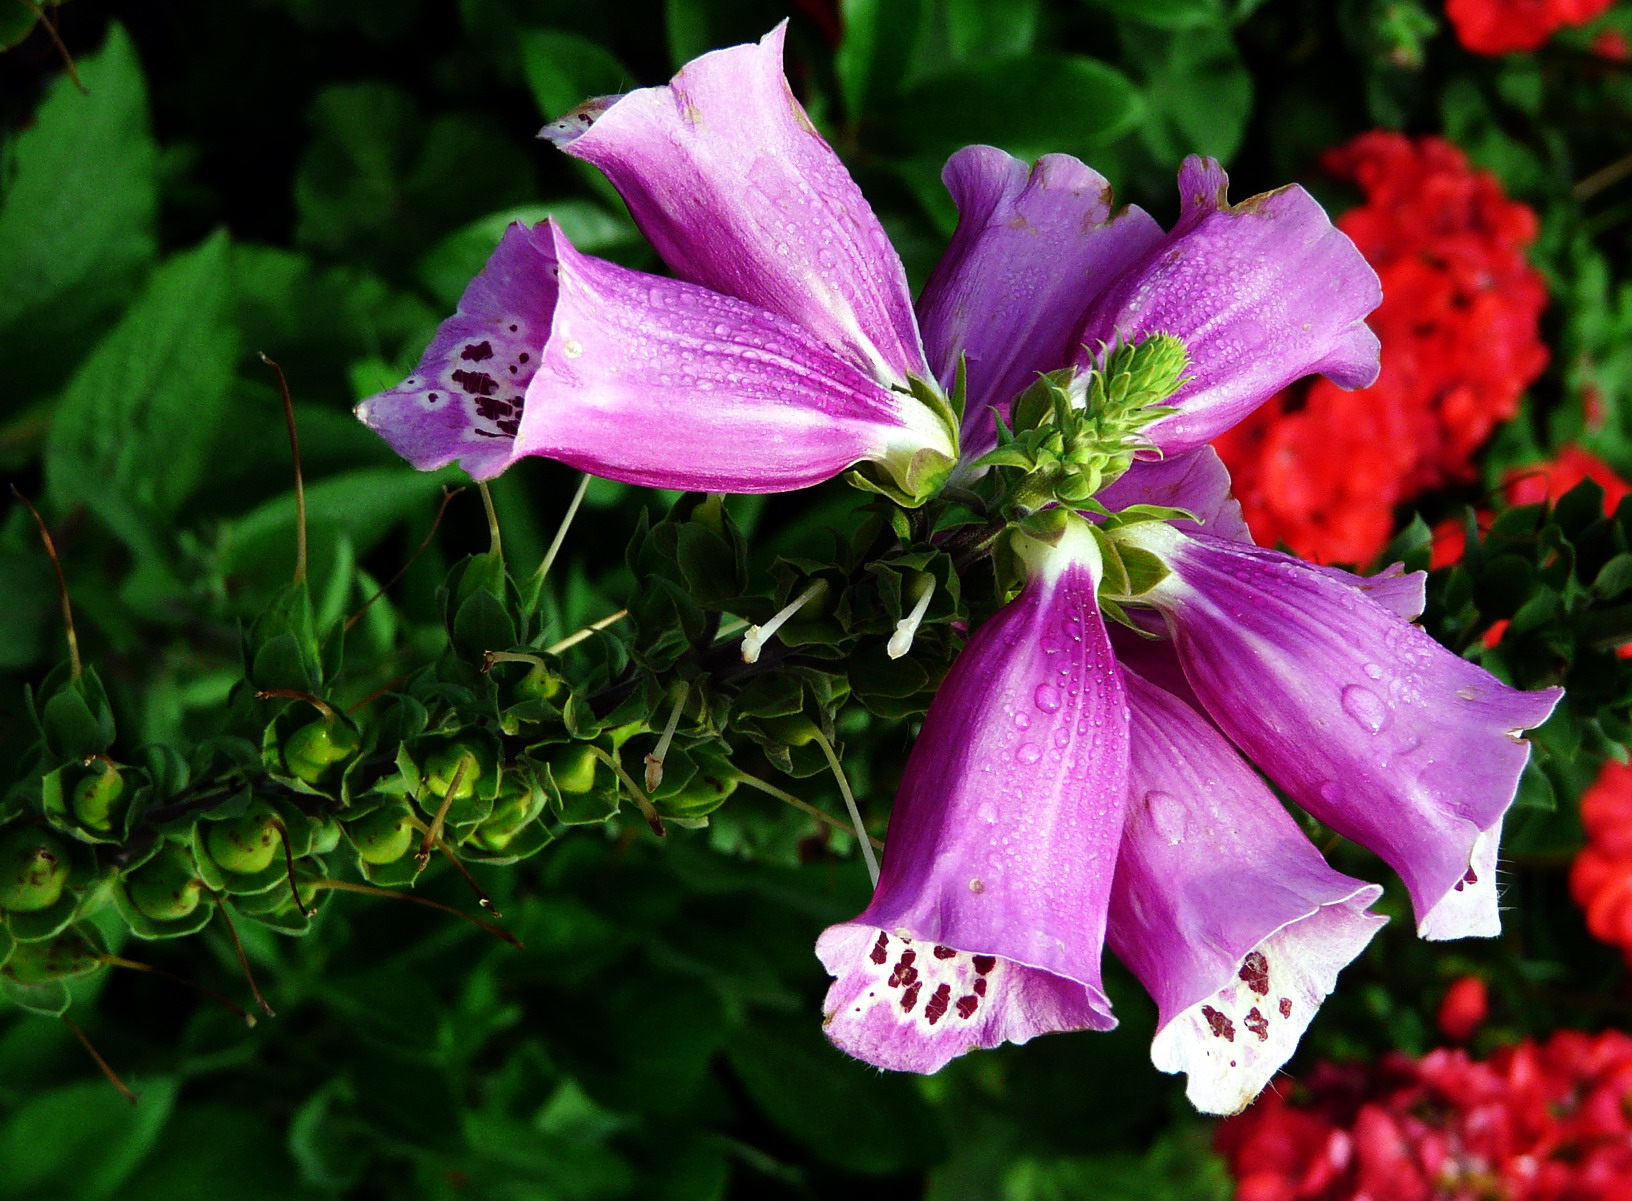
(1601, 877)
(1536, 1122)
(1506, 26)
(1322, 469)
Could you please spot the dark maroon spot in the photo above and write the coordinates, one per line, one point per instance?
(477, 383)
(939, 1002)
(476, 352)
(980, 986)
(967, 1006)
(879, 954)
(493, 409)
(1286, 1007)
(1255, 971)
(433, 398)
(512, 368)
(944, 952)
(910, 997)
(904, 973)
(1220, 1025)
(1257, 1023)
(1470, 878)
(508, 426)
(514, 328)
(984, 964)
(523, 357)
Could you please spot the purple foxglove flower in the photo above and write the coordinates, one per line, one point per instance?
(1034, 247)
(1364, 720)
(1261, 293)
(782, 354)
(1221, 907)
(989, 917)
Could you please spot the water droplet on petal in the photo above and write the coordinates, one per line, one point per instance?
(1029, 752)
(1369, 710)
(1331, 792)
(1047, 697)
(1374, 671)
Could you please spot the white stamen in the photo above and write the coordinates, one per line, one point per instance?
(907, 628)
(654, 761)
(756, 637)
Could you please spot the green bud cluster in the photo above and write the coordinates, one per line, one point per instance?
(1071, 434)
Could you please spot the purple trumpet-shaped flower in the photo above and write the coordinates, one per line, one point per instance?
(1042, 272)
(1364, 720)
(989, 917)
(784, 352)
(1229, 917)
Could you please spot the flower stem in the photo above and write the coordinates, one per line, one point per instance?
(850, 804)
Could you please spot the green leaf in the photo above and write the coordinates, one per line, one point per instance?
(979, 29)
(76, 222)
(563, 70)
(1029, 104)
(1166, 14)
(843, 1111)
(455, 260)
(82, 1140)
(873, 61)
(131, 434)
(1201, 94)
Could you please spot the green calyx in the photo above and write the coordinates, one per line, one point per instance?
(312, 750)
(33, 870)
(920, 467)
(1073, 434)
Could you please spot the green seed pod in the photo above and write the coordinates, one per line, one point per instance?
(310, 751)
(166, 887)
(33, 870)
(573, 768)
(94, 797)
(384, 835)
(451, 763)
(246, 844)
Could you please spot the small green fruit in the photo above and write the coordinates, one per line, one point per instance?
(574, 768)
(313, 749)
(94, 797)
(383, 836)
(33, 870)
(60, 958)
(166, 887)
(510, 817)
(451, 764)
(246, 844)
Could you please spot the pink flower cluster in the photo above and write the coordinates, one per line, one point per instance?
(1548, 1121)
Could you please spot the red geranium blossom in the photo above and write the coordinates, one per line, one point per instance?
(1506, 26)
(1548, 1121)
(1321, 469)
(1601, 877)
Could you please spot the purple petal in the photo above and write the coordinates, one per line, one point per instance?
(1403, 593)
(1002, 843)
(1197, 481)
(465, 400)
(1262, 293)
(1033, 247)
(727, 176)
(1363, 719)
(1229, 917)
(660, 382)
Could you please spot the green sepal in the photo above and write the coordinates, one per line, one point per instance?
(69, 954)
(513, 830)
(74, 718)
(282, 649)
(94, 802)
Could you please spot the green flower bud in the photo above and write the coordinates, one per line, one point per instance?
(316, 747)
(574, 768)
(384, 835)
(166, 887)
(246, 844)
(33, 870)
(94, 797)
